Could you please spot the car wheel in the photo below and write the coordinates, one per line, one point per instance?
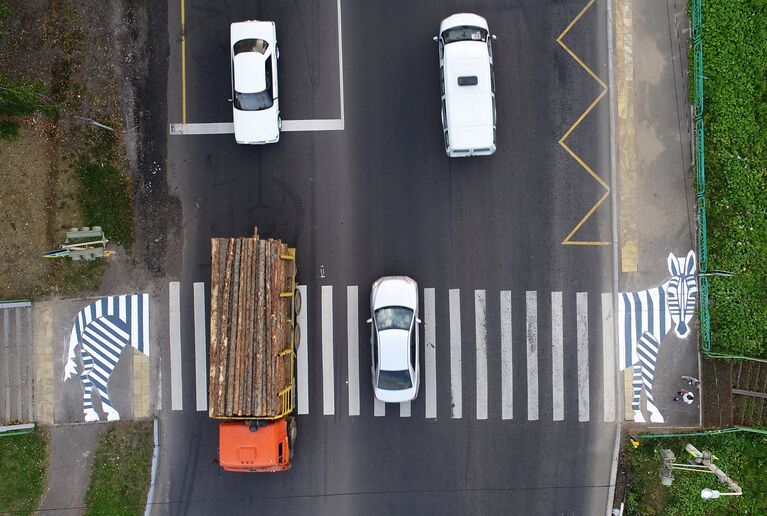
(296, 337)
(292, 435)
(297, 302)
(279, 123)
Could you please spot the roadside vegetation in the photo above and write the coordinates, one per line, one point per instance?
(23, 463)
(735, 115)
(743, 456)
(121, 470)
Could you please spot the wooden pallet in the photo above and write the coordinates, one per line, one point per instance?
(251, 328)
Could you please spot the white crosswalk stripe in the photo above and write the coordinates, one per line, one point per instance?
(568, 353)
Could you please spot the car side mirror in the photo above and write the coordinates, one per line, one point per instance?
(493, 36)
(370, 321)
(229, 100)
(418, 320)
(435, 38)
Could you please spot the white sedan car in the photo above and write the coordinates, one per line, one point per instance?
(255, 99)
(394, 338)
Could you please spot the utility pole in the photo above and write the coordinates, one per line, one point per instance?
(702, 463)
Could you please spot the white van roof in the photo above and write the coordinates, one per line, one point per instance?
(469, 107)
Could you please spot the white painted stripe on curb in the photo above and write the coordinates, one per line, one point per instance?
(456, 381)
(404, 409)
(507, 369)
(328, 386)
(608, 357)
(379, 407)
(531, 327)
(174, 327)
(582, 318)
(480, 332)
(430, 352)
(353, 346)
(303, 356)
(200, 341)
(557, 358)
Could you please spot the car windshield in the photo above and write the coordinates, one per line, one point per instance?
(394, 318)
(394, 380)
(250, 45)
(463, 34)
(253, 101)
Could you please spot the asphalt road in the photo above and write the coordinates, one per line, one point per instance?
(379, 198)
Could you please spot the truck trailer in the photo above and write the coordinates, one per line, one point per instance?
(253, 340)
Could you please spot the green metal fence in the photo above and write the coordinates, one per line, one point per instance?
(700, 172)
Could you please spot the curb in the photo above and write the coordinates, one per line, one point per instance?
(155, 460)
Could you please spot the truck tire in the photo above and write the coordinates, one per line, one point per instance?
(297, 301)
(296, 337)
(292, 434)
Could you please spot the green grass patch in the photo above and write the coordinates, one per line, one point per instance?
(105, 192)
(735, 115)
(23, 462)
(121, 470)
(743, 456)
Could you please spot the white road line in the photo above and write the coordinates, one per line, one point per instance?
(430, 352)
(456, 382)
(404, 409)
(557, 358)
(328, 387)
(174, 323)
(531, 303)
(582, 319)
(340, 59)
(379, 407)
(334, 124)
(353, 363)
(209, 128)
(312, 125)
(507, 370)
(608, 357)
(200, 356)
(303, 355)
(480, 332)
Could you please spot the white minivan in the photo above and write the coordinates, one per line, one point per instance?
(468, 85)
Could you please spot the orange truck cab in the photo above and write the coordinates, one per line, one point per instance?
(255, 446)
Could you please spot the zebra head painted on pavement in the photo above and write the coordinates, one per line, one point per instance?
(646, 317)
(103, 329)
(682, 290)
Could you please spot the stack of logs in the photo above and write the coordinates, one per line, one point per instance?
(250, 325)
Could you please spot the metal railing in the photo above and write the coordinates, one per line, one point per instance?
(700, 174)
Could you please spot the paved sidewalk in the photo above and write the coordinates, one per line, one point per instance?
(16, 363)
(656, 200)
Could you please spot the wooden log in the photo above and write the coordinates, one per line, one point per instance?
(269, 376)
(238, 348)
(214, 318)
(259, 366)
(247, 316)
(233, 327)
(224, 330)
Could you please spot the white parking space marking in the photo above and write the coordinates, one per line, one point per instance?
(379, 407)
(557, 358)
(200, 341)
(456, 382)
(608, 357)
(174, 327)
(303, 355)
(480, 332)
(582, 325)
(404, 409)
(353, 363)
(328, 386)
(531, 327)
(430, 352)
(507, 369)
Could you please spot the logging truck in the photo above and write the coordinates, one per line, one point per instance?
(253, 340)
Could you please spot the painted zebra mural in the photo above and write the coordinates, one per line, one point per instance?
(646, 317)
(103, 329)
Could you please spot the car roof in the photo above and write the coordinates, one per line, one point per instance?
(394, 350)
(469, 107)
(249, 72)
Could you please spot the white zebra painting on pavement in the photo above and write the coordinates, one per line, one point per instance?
(646, 317)
(103, 329)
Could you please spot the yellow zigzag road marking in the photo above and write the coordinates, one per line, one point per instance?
(567, 240)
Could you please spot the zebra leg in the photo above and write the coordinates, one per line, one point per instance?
(647, 348)
(106, 405)
(636, 388)
(88, 411)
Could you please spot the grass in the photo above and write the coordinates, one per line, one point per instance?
(121, 470)
(735, 115)
(23, 462)
(743, 456)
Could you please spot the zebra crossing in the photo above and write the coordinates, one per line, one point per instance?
(493, 398)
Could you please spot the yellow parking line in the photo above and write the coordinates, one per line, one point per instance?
(568, 239)
(183, 66)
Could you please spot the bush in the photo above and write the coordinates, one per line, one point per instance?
(735, 114)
